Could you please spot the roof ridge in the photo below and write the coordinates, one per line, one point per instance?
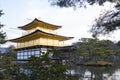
(24, 27)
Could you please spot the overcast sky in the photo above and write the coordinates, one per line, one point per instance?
(75, 23)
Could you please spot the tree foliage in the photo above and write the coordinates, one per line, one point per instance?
(94, 49)
(107, 22)
(2, 34)
(79, 3)
(36, 68)
(44, 69)
(11, 52)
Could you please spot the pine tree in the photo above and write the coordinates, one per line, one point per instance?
(2, 34)
(107, 22)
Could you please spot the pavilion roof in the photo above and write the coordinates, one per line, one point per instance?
(38, 23)
(37, 34)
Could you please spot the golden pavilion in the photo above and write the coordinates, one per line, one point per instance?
(39, 36)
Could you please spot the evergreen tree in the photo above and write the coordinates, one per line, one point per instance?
(2, 34)
(43, 68)
(95, 50)
(107, 22)
(81, 3)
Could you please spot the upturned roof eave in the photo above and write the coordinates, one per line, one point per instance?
(59, 37)
(26, 27)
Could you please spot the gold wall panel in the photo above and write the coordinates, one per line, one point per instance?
(40, 41)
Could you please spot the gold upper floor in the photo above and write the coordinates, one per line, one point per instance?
(39, 28)
(40, 41)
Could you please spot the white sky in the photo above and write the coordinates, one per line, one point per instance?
(75, 23)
